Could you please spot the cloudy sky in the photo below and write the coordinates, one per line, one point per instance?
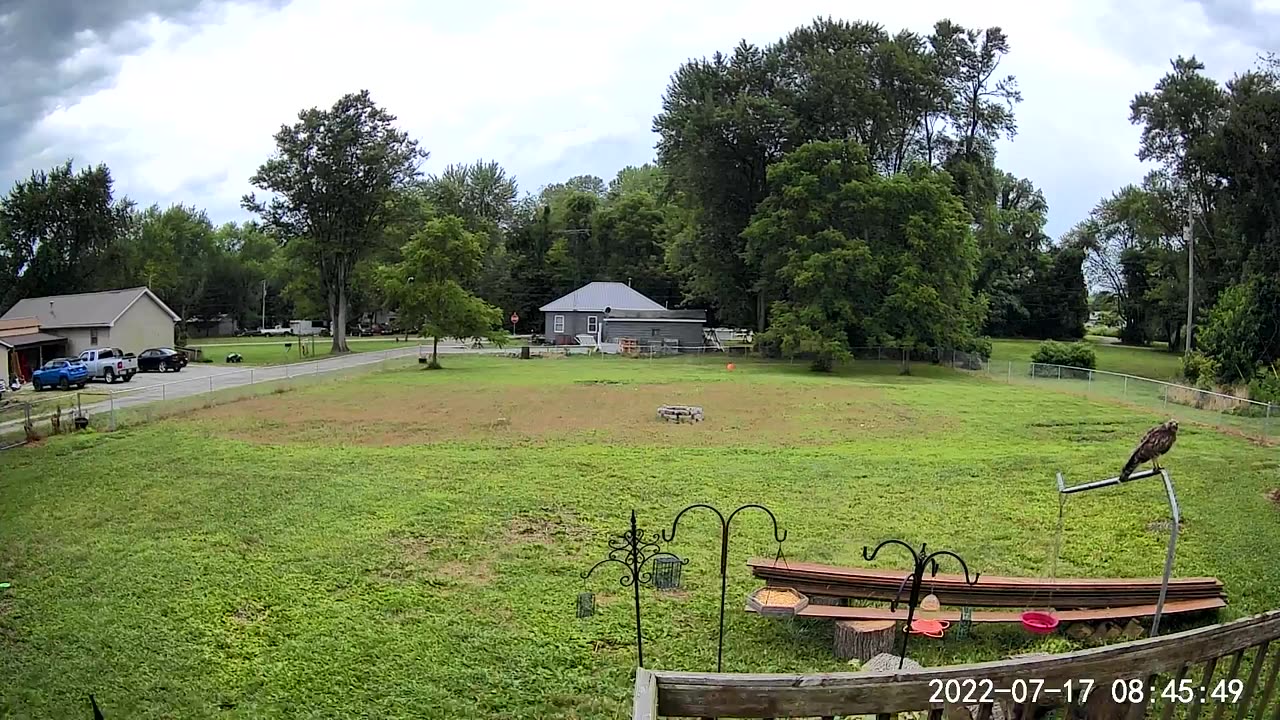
(181, 97)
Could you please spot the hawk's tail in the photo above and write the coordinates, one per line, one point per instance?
(1130, 466)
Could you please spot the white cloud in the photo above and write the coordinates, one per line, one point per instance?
(542, 87)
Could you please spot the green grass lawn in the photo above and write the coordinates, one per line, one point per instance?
(273, 351)
(410, 543)
(1152, 362)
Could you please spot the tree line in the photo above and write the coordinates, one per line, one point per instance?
(1214, 200)
(836, 188)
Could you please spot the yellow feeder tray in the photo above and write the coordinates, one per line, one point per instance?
(777, 601)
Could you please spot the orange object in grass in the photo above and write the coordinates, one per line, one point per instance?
(729, 367)
(929, 628)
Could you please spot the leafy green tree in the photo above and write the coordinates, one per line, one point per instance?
(173, 252)
(857, 258)
(632, 233)
(333, 182)
(60, 232)
(429, 285)
(483, 195)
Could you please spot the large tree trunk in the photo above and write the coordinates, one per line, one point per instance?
(340, 326)
(435, 356)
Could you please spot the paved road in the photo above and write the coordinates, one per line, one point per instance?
(123, 397)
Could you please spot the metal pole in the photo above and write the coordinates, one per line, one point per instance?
(1169, 554)
(1266, 424)
(112, 397)
(250, 376)
(1059, 372)
(1166, 397)
(1189, 238)
(1125, 393)
(210, 383)
(1009, 378)
(162, 390)
(1089, 386)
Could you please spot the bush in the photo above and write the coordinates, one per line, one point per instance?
(1197, 367)
(1266, 387)
(1076, 354)
(980, 346)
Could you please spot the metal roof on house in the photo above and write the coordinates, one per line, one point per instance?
(596, 296)
(98, 309)
(31, 340)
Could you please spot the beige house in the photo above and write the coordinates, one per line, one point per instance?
(132, 320)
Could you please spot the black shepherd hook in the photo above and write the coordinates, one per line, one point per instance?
(633, 550)
(779, 536)
(924, 560)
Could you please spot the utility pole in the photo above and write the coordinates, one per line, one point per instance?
(1189, 240)
(262, 322)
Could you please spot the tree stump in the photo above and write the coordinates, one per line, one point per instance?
(863, 639)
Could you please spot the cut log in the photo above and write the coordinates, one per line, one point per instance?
(863, 639)
(1079, 631)
(1132, 630)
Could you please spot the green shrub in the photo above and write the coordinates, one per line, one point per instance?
(978, 346)
(1076, 354)
(1197, 366)
(1266, 387)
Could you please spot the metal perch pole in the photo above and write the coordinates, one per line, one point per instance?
(923, 560)
(726, 523)
(633, 550)
(1063, 489)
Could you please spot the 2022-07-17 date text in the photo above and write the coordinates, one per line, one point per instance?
(1130, 690)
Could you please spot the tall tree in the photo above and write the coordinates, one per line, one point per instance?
(429, 286)
(858, 258)
(484, 196)
(173, 252)
(59, 233)
(333, 182)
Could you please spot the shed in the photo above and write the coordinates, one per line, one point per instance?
(611, 311)
(133, 319)
(24, 348)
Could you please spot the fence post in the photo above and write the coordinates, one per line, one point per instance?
(1266, 424)
(1166, 397)
(250, 376)
(1009, 378)
(1125, 392)
(210, 383)
(879, 353)
(286, 372)
(162, 390)
(1089, 387)
(1059, 372)
(112, 397)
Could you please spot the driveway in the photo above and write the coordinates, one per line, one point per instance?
(203, 378)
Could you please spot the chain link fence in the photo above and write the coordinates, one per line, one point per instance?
(108, 408)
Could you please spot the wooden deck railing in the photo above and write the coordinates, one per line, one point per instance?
(1222, 671)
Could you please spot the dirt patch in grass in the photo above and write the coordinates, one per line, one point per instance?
(249, 613)
(1274, 496)
(736, 413)
(544, 527)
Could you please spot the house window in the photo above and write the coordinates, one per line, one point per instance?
(593, 324)
(654, 332)
(558, 324)
(93, 337)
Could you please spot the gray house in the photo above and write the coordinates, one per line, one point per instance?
(611, 312)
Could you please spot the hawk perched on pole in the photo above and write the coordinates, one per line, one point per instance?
(1155, 443)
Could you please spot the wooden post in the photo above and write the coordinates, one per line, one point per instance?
(863, 639)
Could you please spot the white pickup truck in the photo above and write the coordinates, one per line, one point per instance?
(109, 364)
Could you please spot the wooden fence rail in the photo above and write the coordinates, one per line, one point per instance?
(1225, 670)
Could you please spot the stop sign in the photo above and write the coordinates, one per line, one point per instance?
(514, 318)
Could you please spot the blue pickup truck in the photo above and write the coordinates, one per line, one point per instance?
(61, 373)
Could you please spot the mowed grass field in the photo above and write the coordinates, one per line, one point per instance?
(1151, 362)
(411, 543)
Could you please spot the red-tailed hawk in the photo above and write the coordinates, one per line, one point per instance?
(1155, 443)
